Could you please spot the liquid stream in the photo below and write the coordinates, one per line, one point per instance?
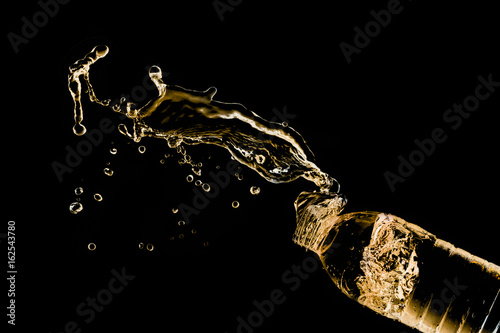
(178, 115)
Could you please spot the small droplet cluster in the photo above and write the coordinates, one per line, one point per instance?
(195, 177)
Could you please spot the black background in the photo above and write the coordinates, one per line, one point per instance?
(357, 118)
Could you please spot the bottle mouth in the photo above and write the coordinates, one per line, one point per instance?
(316, 215)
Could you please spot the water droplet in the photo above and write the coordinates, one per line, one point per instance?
(217, 167)
(193, 231)
(190, 178)
(175, 210)
(141, 245)
(187, 158)
(78, 190)
(206, 244)
(181, 236)
(181, 150)
(167, 155)
(75, 207)
(205, 187)
(235, 204)
(198, 182)
(97, 197)
(141, 149)
(113, 151)
(196, 171)
(91, 246)
(181, 222)
(255, 190)
(284, 124)
(108, 172)
(150, 247)
(240, 177)
(162, 161)
(260, 158)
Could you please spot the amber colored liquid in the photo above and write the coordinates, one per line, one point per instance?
(184, 116)
(402, 272)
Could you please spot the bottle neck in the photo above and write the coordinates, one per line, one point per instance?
(317, 213)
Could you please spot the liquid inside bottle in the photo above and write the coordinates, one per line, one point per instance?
(399, 270)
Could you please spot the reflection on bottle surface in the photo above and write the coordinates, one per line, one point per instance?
(398, 269)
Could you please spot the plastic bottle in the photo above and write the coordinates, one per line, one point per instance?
(398, 269)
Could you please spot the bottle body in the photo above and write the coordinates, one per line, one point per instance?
(401, 271)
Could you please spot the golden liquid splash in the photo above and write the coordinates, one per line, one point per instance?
(75, 207)
(108, 172)
(179, 115)
(80, 70)
(255, 190)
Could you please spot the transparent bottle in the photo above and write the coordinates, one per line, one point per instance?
(398, 269)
